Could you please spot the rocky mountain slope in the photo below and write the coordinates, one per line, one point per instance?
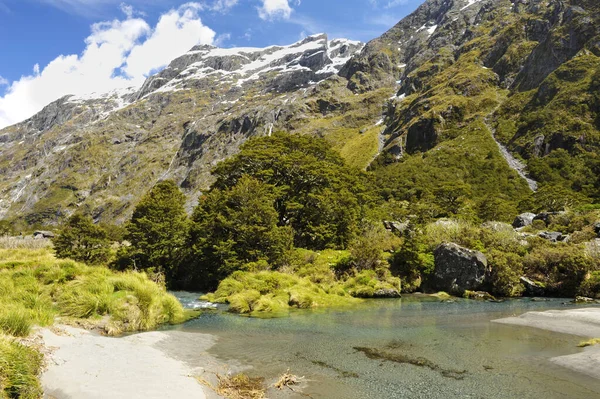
(423, 106)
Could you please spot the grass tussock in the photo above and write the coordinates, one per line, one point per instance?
(276, 292)
(8, 242)
(35, 287)
(19, 368)
(590, 342)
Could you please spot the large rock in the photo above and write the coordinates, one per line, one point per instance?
(524, 219)
(597, 228)
(43, 234)
(458, 269)
(396, 227)
(532, 288)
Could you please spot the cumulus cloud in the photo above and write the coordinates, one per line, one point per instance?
(274, 9)
(118, 54)
(3, 82)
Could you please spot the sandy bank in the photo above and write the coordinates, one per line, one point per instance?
(84, 365)
(583, 322)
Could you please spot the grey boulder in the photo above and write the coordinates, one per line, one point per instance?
(458, 269)
(523, 220)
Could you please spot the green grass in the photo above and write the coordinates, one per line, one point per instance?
(309, 281)
(19, 368)
(35, 288)
(276, 293)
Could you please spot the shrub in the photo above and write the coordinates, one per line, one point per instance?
(561, 267)
(507, 269)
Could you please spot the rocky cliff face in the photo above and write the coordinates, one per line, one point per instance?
(432, 90)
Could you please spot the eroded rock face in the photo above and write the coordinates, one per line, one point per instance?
(458, 269)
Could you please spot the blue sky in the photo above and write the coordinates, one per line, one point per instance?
(49, 48)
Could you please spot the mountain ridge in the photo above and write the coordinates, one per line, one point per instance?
(406, 104)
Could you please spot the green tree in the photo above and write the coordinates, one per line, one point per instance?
(158, 228)
(318, 195)
(6, 228)
(80, 239)
(233, 227)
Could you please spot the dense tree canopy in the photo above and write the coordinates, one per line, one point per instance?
(157, 228)
(233, 227)
(80, 239)
(317, 194)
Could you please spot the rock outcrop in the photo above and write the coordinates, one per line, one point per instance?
(523, 220)
(458, 269)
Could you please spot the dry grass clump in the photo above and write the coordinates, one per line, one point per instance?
(28, 242)
(287, 380)
(590, 342)
(239, 386)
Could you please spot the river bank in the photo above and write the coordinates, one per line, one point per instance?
(159, 364)
(583, 322)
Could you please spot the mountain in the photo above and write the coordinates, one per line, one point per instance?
(464, 103)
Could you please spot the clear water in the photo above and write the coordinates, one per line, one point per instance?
(464, 354)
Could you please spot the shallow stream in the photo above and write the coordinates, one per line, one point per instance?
(414, 347)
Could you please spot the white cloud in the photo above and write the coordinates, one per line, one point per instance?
(4, 82)
(274, 9)
(118, 54)
(222, 5)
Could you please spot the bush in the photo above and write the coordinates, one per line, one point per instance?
(507, 269)
(562, 267)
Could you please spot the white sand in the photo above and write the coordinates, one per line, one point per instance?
(583, 322)
(84, 365)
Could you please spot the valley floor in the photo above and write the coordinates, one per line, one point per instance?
(584, 322)
(83, 365)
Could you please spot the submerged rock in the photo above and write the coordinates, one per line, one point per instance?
(479, 295)
(523, 220)
(458, 269)
(583, 299)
